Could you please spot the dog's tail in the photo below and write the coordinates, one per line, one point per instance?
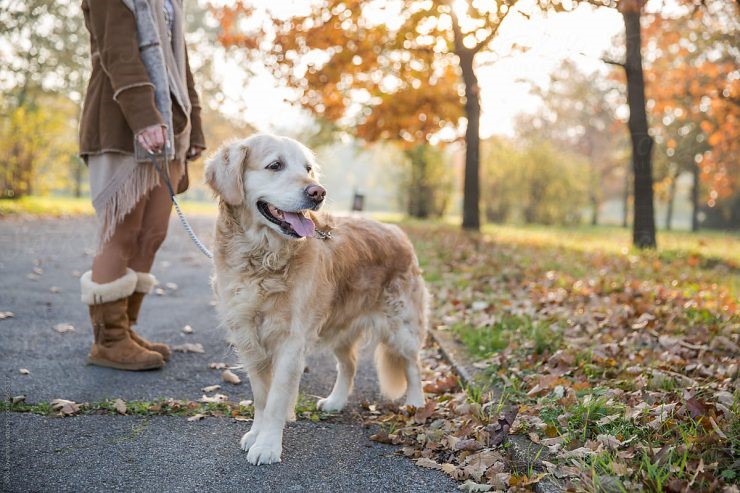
(391, 368)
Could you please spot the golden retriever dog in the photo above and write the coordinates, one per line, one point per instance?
(289, 278)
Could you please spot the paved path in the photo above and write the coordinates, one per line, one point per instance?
(94, 453)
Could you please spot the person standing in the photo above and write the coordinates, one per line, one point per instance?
(140, 99)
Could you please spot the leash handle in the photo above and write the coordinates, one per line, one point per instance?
(163, 171)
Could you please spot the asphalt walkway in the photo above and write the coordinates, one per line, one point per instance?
(40, 262)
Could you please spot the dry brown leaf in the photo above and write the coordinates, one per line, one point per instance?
(120, 406)
(214, 398)
(470, 486)
(18, 398)
(64, 328)
(229, 376)
(428, 463)
(65, 407)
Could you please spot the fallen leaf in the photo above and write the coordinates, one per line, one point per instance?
(229, 376)
(470, 486)
(196, 417)
(217, 366)
(424, 413)
(64, 328)
(54, 289)
(171, 286)
(245, 403)
(468, 444)
(428, 463)
(187, 329)
(63, 406)
(18, 398)
(214, 398)
(189, 347)
(696, 408)
(211, 388)
(24, 371)
(4, 315)
(120, 406)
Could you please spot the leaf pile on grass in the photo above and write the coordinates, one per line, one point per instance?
(457, 432)
(624, 365)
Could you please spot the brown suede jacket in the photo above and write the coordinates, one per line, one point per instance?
(120, 97)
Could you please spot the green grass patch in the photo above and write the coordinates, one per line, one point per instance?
(56, 206)
(539, 337)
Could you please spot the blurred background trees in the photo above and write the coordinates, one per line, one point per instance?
(388, 92)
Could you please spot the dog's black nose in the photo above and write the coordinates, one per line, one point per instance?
(316, 193)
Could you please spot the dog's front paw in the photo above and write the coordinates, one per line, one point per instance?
(330, 404)
(248, 439)
(415, 401)
(264, 453)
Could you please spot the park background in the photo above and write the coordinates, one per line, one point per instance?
(554, 143)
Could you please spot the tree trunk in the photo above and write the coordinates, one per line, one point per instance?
(643, 227)
(626, 199)
(593, 195)
(671, 200)
(695, 198)
(420, 200)
(471, 189)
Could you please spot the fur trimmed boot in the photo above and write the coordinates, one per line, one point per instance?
(144, 284)
(113, 346)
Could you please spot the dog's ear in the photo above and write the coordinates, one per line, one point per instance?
(225, 172)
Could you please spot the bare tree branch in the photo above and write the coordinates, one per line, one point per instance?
(613, 62)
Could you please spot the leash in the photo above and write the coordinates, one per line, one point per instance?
(164, 172)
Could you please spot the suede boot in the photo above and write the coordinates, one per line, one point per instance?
(144, 284)
(113, 346)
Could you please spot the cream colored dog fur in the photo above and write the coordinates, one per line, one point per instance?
(282, 291)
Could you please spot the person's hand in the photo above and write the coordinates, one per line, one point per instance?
(194, 152)
(152, 138)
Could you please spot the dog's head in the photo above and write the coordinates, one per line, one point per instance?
(274, 177)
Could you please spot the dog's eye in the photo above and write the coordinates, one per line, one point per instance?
(309, 168)
(275, 166)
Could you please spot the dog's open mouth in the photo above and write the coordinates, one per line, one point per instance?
(291, 223)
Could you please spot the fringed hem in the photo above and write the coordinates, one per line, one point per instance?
(124, 199)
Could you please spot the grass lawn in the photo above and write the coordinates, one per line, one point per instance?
(624, 364)
(53, 206)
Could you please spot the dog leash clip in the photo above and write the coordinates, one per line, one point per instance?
(323, 235)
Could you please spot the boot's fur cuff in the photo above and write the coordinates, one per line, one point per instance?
(94, 293)
(145, 282)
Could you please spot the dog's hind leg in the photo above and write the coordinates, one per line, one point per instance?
(260, 382)
(346, 356)
(287, 368)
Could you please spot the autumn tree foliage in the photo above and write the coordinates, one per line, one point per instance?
(694, 90)
(385, 70)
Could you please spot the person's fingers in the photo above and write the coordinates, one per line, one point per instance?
(142, 138)
(156, 139)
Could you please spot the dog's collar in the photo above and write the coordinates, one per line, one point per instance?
(322, 235)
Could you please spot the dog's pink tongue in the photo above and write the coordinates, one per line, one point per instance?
(300, 224)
